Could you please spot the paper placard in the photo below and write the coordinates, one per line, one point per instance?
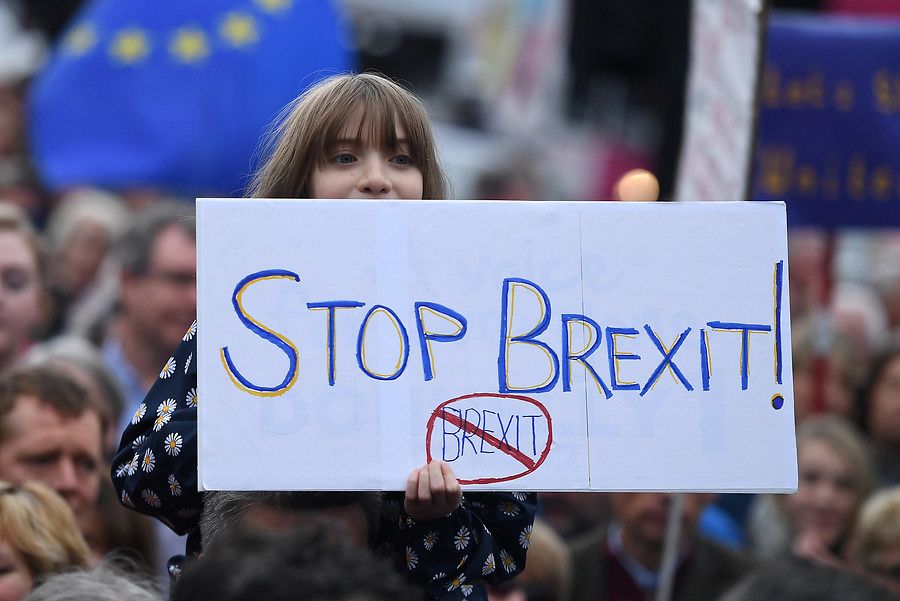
(532, 345)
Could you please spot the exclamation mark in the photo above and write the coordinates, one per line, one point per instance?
(778, 399)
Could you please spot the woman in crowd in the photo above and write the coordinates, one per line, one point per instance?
(23, 294)
(881, 415)
(836, 477)
(38, 537)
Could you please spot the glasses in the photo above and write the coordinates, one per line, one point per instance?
(176, 279)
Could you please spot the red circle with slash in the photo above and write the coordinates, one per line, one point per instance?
(530, 464)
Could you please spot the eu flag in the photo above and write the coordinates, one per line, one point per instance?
(175, 94)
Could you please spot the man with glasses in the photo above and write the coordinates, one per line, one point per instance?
(157, 299)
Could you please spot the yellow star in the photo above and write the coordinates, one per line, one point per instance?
(239, 29)
(274, 6)
(189, 45)
(130, 46)
(80, 39)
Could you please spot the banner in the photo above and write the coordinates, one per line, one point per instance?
(829, 128)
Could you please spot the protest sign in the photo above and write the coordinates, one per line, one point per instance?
(720, 103)
(829, 127)
(531, 345)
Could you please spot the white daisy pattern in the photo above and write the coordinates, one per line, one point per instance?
(138, 414)
(509, 508)
(191, 331)
(168, 369)
(161, 421)
(187, 363)
(462, 562)
(412, 559)
(167, 406)
(489, 565)
(126, 500)
(122, 470)
(174, 486)
(173, 443)
(466, 589)
(520, 496)
(138, 442)
(525, 537)
(461, 539)
(132, 467)
(429, 539)
(190, 400)
(438, 576)
(151, 499)
(455, 583)
(509, 564)
(149, 461)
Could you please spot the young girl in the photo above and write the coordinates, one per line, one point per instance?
(350, 136)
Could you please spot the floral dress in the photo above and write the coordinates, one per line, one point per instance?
(155, 472)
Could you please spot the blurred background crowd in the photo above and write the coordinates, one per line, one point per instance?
(532, 100)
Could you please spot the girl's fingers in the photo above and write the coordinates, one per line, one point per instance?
(412, 486)
(424, 489)
(451, 484)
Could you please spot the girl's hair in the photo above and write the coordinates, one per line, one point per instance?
(38, 525)
(878, 528)
(313, 122)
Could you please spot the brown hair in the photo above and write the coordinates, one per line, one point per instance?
(314, 121)
(39, 525)
(878, 527)
(50, 387)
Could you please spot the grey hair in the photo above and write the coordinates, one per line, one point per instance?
(224, 510)
(133, 252)
(103, 582)
(87, 204)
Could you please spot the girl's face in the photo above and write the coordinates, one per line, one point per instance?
(826, 499)
(20, 294)
(884, 406)
(364, 169)
(15, 579)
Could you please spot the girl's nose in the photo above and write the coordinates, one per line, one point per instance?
(374, 179)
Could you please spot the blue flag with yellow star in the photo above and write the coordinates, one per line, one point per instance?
(175, 94)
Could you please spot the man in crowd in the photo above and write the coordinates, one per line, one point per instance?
(51, 431)
(157, 301)
(622, 561)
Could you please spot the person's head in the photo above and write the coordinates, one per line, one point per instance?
(224, 512)
(23, 295)
(835, 477)
(881, 412)
(548, 572)
(79, 359)
(842, 375)
(80, 232)
(644, 517)
(158, 258)
(51, 431)
(874, 546)
(38, 536)
(352, 136)
(313, 562)
(103, 582)
(795, 580)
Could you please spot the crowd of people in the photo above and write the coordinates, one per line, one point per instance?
(98, 288)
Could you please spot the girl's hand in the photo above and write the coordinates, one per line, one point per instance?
(432, 492)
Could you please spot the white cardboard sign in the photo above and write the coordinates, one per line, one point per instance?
(532, 345)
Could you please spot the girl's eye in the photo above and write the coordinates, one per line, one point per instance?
(345, 158)
(402, 160)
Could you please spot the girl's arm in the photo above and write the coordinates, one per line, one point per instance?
(155, 469)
